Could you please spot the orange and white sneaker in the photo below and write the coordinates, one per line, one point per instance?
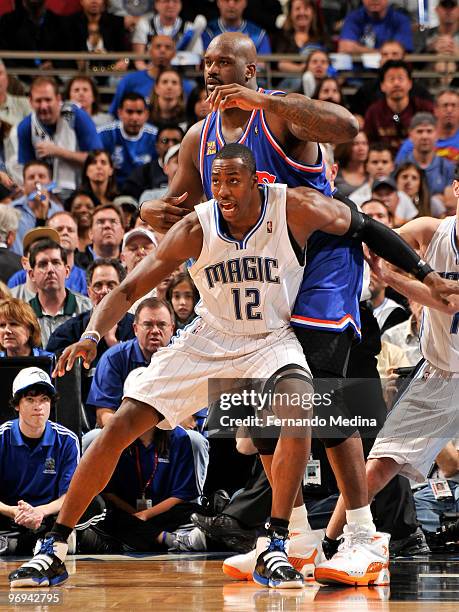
(362, 559)
(304, 553)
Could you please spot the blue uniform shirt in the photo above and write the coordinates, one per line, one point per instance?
(141, 83)
(128, 152)
(174, 476)
(28, 220)
(85, 130)
(328, 297)
(258, 35)
(364, 29)
(39, 475)
(76, 280)
(111, 372)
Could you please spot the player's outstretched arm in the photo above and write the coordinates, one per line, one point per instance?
(181, 243)
(161, 214)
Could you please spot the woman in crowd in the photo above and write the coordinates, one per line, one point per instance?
(167, 102)
(83, 91)
(301, 34)
(197, 108)
(82, 206)
(329, 90)
(20, 334)
(183, 296)
(352, 158)
(317, 69)
(99, 177)
(412, 180)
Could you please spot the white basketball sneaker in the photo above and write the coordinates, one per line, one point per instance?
(362, 559)
(304, 553)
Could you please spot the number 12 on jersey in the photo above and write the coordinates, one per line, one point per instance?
(252, 301)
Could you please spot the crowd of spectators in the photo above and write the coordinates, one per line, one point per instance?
(75, 162)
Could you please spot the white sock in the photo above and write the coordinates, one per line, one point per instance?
(361, 516)
(299, 519)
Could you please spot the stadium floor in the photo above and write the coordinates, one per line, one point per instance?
(195, 582)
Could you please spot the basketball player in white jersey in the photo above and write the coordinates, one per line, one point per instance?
(426, 416)
(248, 246)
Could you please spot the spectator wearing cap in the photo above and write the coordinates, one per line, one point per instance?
(130, 140)
(37, 460)
(10, 262)
(368, 27)
(20, 334)
(137, 244)
(388, 119)
(37, 203)
(438, 170)
(402, 210)
(151, 175)
(170, 165)
(106, 235)
(21, 284)
(153, 328)
(53, 303)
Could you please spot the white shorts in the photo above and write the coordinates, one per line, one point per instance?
(422, 422)
(176, 381)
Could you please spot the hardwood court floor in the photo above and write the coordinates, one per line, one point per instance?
(185, 583)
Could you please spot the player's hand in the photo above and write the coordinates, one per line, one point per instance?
(86, 349)
(441, 288)
(377, 265)
(162, 214)
(142, 515)
(234, 96)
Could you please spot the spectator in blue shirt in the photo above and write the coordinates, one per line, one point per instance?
(151, 491)
(439, 171)
(65, 225)
(37, 204)
(20, 333)
(131, 140)
(367, 28)
(162, 50)
(231, 20)
(153, 328)
(37, 460)
(61, 134)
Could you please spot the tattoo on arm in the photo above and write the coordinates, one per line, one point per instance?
(314, 120)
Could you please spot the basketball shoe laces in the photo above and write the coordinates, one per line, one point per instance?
(44, 557)
(353, 537)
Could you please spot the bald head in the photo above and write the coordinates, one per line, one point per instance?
(235, 43)
(230, 58)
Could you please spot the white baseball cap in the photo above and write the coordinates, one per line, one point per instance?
(32, 376)
(138, 231)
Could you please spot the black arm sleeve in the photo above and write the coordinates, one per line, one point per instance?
(387, 244)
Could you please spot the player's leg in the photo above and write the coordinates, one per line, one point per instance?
(47, 567)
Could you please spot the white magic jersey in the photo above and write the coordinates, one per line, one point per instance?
(247, 286)
(440, 331)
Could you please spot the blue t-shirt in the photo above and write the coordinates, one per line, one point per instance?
(258, 35)
(76, 280)
(28, 220)
(174, 476)
(446, 147)
(111, 372)
(128, 152)
(85, 130)
(364, 29)
(142, 83)
(39, 475)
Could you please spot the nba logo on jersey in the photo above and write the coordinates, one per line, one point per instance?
(211, 147)
(269, 227)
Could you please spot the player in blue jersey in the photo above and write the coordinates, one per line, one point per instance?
(282, 132)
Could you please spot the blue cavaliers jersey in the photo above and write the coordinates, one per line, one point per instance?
(329, 294)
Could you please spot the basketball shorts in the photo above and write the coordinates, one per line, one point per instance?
(176, 381)
(421, 423)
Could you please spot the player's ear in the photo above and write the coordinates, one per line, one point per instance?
(456, 188)
(250, 71)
